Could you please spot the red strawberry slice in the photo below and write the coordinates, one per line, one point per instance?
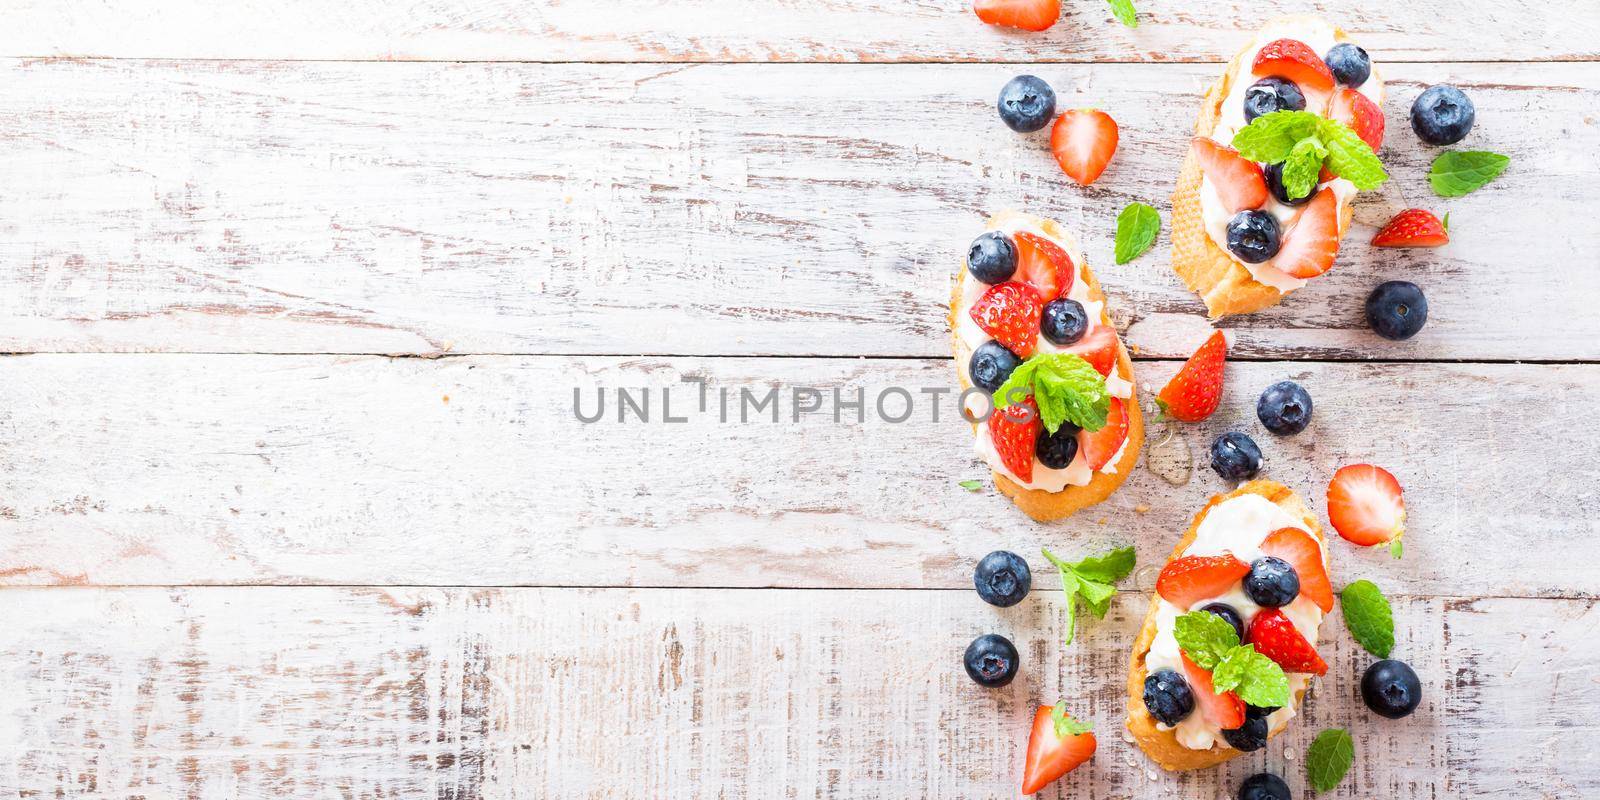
(1029, 15)
(1239, 182)
(1101, 446)
(1275, 637)
(1050, 756)
(1226, 710)
(1195, 391)
(1365, 504)
(1190, 579)
(1043, 265)
(1308, 249)
(1301, 551)
(1010, 313)
(1412, 227)
(1013, 430)
(1098, 347)
(1084, 140)
(1295, 61)
(1360, 115)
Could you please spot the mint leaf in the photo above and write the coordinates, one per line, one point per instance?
(1110, 567)
(1064, 723)
(1069, 590)
(1330, 757)
(1137, 227)
(1396, 549)
(971, 486)
(1205, 637)
(1098, 595)
(1091, 579)
(1257, 680)
(1302, 167)
(1270, 138)
(1368, 616)
(1456, 173)
(1349, 156)
(1064, 387)
(1123, 11)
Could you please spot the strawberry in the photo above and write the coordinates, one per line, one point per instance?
(1412, 227)
(1083, 140)
(1043, 265)
(1360, 115)
(1275, 637)
(1190, 579)
(1013, 430)
(1010, 313)
(1098, 347)
(1239, 182)
(1102, 445)
(1225, 710)
(1301, 551)
(1295, 61)
(1365, 504)
(1195, 391)
(1051, 756)
(1029, 15)
(1308, 248)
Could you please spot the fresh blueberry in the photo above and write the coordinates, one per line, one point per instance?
(1264, 786)
(1063, 321)
(1253, 236)
(1228, 613)
(1002, 578)
(1272, 583)
(1168, 697)
(1249, 737)
(1055, 450)
(991, 364)
(1391, 689)
(992, 258)
(991, 660)
(1397, 310)
(1235, 456)
(1027, 103)
(1442, 115)
(1284, 408)
(1349, 64)
(1272, 94)
(1257, 712)
(1275, 185)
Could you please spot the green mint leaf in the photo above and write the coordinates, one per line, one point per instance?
(1330, 757)
(1205, 637)
(971, 486)
(1064, 387)
(1270, 138)
(1368, 616)
(1257, 680)
(1137, 227)
(1456, 173)
(1349, 157)
(1396, 549)
(1097, 595)
(1109, 567)
(1069, 590)
(1123, 11)
(1301, 168)
(1446, 223)
(1017, 387)
(1064, 723)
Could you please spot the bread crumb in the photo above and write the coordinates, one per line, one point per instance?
(1141, 509)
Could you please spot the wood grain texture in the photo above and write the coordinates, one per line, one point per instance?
(698, 210)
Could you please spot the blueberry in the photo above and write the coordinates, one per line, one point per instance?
(991, 660)
(1284, 408)
(1255, 712)
(1272, 583)
(1264, 786)
(1442, 115)
(1063, 321)
(1253, 236)
(1391, 689)
(1272, 94)
(1027, 103)
(1349, 64)
(1055, 450)
(1279, 191)
(1249, 737)
(1002, 578)
(1397, 310)
(1228, 613)
(1168, 697)
(992, 258)
(991, 364)
(1235, 456)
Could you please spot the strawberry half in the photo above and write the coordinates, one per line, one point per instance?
(1195, 391)
(1029, 15)
(1010, 313)
(1100, 446)
(1013, 430)
(1275, 637)
(1308, 249)
(1365, 504)
(1412, 227)
(1301, 551)
(1050, 756)
(1360, 115)
(1239, 182)
(1190, 579)
(1043, 265)
(1225, 710)
(1083, 141)
(1295, 61)
(1098, 347)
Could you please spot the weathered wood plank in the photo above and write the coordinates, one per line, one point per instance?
(157, 469)
(425, 208)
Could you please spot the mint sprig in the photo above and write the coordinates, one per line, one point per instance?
(1456, 173)
(1330, 757)
(1211, 643)
(1064, 724)
(1296, 137)
(1137, 227)
(1091, 579)
(1368, 616)
(1064, 386)
(971, 486)
(1124, 12)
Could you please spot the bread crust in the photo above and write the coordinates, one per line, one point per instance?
(1162, 746)
(1039, 504)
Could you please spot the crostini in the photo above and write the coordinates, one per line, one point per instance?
(1027, 310)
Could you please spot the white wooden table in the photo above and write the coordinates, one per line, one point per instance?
(293, 503)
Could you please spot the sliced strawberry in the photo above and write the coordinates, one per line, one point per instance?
(1301, 551)
(1239, 182)
(1195, 391)
(1190, 579)
(1365, 504)
(1412, 227)
(1226, 710)
(1360, 115)
(1051, 756)
(1275, 637)
(1010, 313)
(1295, 61)
(1098, 347)
(1083, 140)
(1308, 249)
(1043, 265)
(1029, 15)
(1101, 446)
(1014, 430)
